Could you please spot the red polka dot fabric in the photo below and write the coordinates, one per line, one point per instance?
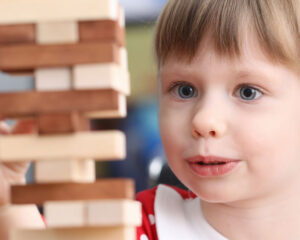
(147, 231)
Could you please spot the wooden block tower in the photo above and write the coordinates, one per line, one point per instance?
(75, 52)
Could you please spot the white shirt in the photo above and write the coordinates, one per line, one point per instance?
(181, 219)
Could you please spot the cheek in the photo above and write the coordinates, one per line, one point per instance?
(270, 143)
(173, 131)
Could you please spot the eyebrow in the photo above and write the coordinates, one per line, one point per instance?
(241, 73)
(176, 72)
(256, 75)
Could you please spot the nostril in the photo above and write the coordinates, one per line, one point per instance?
(213, 133)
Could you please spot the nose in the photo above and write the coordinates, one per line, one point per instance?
(208, 122)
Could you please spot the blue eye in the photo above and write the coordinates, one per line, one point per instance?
(185, 91)
(249, 93)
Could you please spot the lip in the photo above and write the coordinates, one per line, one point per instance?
(228, 165)
(210, 159)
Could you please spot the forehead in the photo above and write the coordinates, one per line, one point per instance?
(252, 64)
(251, 56)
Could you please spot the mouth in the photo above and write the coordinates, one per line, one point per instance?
(213, 163)
(210, 160)
(212, 166)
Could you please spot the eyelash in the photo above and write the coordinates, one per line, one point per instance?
(182, 83)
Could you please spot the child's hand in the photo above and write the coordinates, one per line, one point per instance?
(13, 173)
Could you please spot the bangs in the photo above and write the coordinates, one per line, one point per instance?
(184, 24)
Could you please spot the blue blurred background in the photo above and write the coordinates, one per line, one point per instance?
(137, 11)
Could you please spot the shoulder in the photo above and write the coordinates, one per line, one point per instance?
(147, 230)
(147, 199)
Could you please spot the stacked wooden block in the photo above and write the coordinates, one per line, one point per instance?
(75, 52)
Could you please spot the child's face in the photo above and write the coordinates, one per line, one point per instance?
(246, 109)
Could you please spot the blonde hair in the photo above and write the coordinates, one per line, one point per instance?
(183, 24)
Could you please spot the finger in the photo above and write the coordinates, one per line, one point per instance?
(24, 126)
(16, 168)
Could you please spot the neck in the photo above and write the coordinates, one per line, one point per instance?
(272, 217)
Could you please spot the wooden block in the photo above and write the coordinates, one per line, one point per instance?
(103, 30)
(57, 32)
(32, 11)
(102, 145)
(23, 73)
(17, 33)
(86, 233)
(57, 123)
(121, 16)
(101, 189)
(101, 76)
(22, 57)
(66, 214)
(101, 213)
(10, 83)
(114, 212)
(74, 170)
(33, 103)
(51, 79)
(121, 112)
(124, 58)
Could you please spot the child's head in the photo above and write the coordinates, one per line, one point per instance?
(184, 25)
(229, 88)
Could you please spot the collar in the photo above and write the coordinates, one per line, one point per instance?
(178, 218)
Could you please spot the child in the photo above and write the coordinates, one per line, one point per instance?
(229, 119)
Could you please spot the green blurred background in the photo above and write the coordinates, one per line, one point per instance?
(142, 68)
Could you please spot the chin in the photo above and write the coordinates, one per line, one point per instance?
(214, 195)
(216, 199)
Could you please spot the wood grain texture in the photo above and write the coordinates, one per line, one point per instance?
(57, 123)
(100, 213)
(101, 76)
(104, 30)
(33, 103)
(124, 58)
(62, 214)
(121, 112)
(60, 171)
(17, 34)
(121, 16)
(32, 11)
(25, 73)
(26, 57)
(101, 189)
(114, 212)
(53, 79)
(57, 32)
(98, 145)
(86, 233)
